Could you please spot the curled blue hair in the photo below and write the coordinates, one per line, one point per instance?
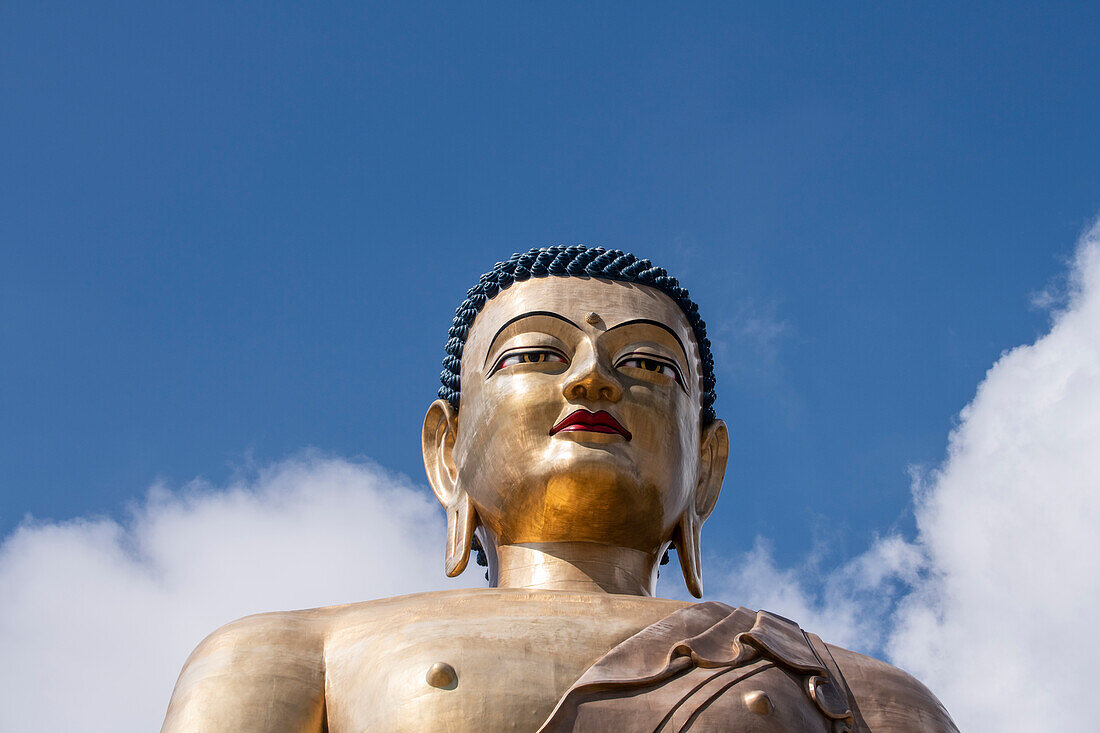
(571, 261)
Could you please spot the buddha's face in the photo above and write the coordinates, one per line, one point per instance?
(579, 418)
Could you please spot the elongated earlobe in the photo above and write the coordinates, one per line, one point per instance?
(437, 443)
(687, 549)
(461, 523)
(714, 450)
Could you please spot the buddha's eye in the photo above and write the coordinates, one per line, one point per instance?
(531, 356)
(651, 364)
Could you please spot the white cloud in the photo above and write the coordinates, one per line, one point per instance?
(1002, 623)
(993, 604)
(97, 617)
(845, 605)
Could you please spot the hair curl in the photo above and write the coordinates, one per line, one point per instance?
(571, 261)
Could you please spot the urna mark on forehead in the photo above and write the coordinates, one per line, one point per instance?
(561, 263)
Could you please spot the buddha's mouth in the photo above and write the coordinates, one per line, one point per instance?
(593, 422)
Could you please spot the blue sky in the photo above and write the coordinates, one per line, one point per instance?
(232, 232)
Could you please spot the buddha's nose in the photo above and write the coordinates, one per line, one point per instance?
(589, 379)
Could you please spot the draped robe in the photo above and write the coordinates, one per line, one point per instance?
(711, 667)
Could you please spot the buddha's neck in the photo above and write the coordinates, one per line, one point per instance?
(576, 566)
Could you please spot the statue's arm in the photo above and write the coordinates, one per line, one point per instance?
(891, 700)
(260, 674)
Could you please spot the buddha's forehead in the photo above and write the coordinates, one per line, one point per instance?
(574, 298)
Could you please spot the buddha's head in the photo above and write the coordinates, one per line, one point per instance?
(576, 407)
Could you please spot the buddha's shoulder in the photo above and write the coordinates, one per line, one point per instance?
(890, 698)
(511, 603)
(490, 613)
(312, 629)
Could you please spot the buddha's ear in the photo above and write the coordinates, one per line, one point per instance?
(714, 451)
(438, 444)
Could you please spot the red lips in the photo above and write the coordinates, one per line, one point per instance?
(593, 422)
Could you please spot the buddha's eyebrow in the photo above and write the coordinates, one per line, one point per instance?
(520, 317)
(658, 324)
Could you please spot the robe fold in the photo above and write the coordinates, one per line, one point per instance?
(710, 667)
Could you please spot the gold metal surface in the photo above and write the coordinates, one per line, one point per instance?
(573, 511)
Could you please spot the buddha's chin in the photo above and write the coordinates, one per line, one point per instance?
(596, 502)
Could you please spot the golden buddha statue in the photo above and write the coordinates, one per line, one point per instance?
(585, 448)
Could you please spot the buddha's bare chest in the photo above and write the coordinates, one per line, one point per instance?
(484, 674)
(504, 668)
